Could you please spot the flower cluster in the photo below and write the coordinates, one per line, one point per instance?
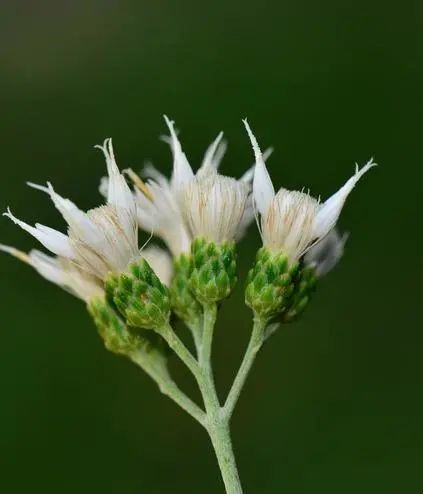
(133, 293)
(199, 216)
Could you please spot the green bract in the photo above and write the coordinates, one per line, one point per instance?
(184, 304)
(213, 273)
(111, 328)
(270, 284)
(140, 296)
(304, 286)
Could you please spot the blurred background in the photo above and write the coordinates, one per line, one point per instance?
(334, 402)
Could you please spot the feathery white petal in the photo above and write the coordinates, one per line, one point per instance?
(53, 240)
(263, 190)
(214, 206)
(77, 220)
(219, 154)
(59, 271)
(210, 154)
(326, 254)
(248, 176)
(119, 194)
(150, 171)
(182, 171)
(163, 216)
(103, 187)
(22, 256)
(287, 225)
(330, 210)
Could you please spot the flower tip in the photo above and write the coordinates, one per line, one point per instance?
(169, 123)
(42, 188)
(173, 133)
(256, 148)
(106, 146)
(15, 253)
(359, 172)
(6, 248)
(8, 213)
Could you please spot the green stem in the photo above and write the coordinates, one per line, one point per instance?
(221, 440)
(216, 424)
(169, 388)
(181, 350)
(196, 327)
(254, 345)
(209, 321)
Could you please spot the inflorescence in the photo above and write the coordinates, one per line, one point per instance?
(133, 294)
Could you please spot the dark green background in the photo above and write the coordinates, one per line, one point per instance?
(334, 403)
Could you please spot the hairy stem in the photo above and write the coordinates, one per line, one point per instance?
(216, 424)
(169, 388)
(196, 331)
(181, 350)
(207, 382)
(254, 345)
(221, 440)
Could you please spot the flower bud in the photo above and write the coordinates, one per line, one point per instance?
(111, 328)
(140, 296)
(214, 270)
(304, 287)
(183, 303)
(270, 284)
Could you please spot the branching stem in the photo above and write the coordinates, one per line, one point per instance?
(254, 345)
(216, 418)
(169, 388)
(181, 350)
(216, 424)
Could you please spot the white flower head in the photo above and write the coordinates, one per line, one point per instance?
(215, 207)
(324, 256)
(104, 239)
(292, 221)
(61, 272)
(160, 262)
(164, 206)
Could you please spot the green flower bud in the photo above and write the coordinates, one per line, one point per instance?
(111, 328)
(140, 296)
(183, 303)
(270, 284)
(144, 347)
(304, 287)
(213, 273)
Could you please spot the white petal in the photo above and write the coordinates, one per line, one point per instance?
(103, 188)
(215, 206)
(220, 153)
(327, 253)
(22, 256)
(209, 156)
(150, 171)
(119, 194)
(48, 267)
(77, 220)
(64, 274)
(330, 210)
(263, 190)
(60, 272)
(182, 171)
(248, 176)
(54, 241)
(162, 215)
